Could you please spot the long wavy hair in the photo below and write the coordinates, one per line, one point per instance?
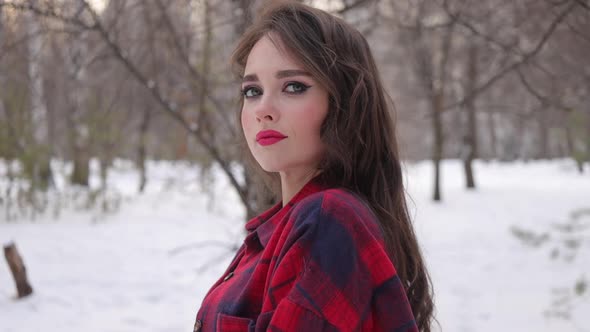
(358, 132)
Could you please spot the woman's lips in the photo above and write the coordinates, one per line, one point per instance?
(269, 137)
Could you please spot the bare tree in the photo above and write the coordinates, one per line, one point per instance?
(430, 48)
(470, 135)
(41, 171)
(150, 79)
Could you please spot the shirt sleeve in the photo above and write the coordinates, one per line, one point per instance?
(335, 275)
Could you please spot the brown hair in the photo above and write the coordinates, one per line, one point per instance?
(358, 132)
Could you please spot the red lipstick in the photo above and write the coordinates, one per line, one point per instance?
(269, 137)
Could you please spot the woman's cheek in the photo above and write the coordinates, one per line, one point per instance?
(247, 127)
(245, 122)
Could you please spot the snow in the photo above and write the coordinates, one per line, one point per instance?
(141, 267)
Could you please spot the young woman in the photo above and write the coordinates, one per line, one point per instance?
(339, 252)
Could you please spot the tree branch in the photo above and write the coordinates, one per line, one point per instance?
(165, 104)
(578, 33)
(357, 3)
(49, 13)
(183, 54)
(471, 28)
(525, 58)
(542, 99)
(583, 3)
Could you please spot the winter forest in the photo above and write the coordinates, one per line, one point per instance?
(123, 181)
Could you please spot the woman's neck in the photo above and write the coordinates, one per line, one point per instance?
(292, 182)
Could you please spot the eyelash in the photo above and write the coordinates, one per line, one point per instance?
(303, 87)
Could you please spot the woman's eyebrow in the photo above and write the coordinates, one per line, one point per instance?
(291, 72)
(250, 78)
(280, 74)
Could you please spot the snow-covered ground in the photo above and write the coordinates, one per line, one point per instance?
(147, 266)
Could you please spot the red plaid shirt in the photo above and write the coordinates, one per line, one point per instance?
(316, 264)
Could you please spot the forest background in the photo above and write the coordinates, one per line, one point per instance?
(493, 80)
(91, 82)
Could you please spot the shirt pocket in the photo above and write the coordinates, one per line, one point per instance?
(263, 321)
(227, 323)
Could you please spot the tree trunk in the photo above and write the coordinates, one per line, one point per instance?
(80, 157)
(543, 149)
(470, 142)
(41, 165)
(588, 136)
(571, 148)
(468, 168)
(181, 150)
(44, 174)
(79, 129)
(569, 140)
(438, 142)
(246, 7)
(142, 150)
(81, 171)
(18, 269)
(437, 92)
(493, 136)
(1, 23)
(104, 164)
(515, 146)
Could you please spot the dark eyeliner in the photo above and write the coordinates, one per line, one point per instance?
(247, 88)
(303, 87)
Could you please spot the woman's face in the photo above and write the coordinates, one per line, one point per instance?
(284, 108)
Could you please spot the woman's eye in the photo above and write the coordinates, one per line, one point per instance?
(296, 87)
(250, 92)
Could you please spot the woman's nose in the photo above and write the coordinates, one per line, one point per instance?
(266, 110)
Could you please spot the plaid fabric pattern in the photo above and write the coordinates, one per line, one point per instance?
(316, 264)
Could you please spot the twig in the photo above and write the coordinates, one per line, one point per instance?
(471, 28)
(542, 99)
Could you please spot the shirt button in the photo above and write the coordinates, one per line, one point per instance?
(231, 274)
(197, 326)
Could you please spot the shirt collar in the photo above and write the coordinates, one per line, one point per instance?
(265, 224)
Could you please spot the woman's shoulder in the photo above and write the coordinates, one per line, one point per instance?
(338, 205)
